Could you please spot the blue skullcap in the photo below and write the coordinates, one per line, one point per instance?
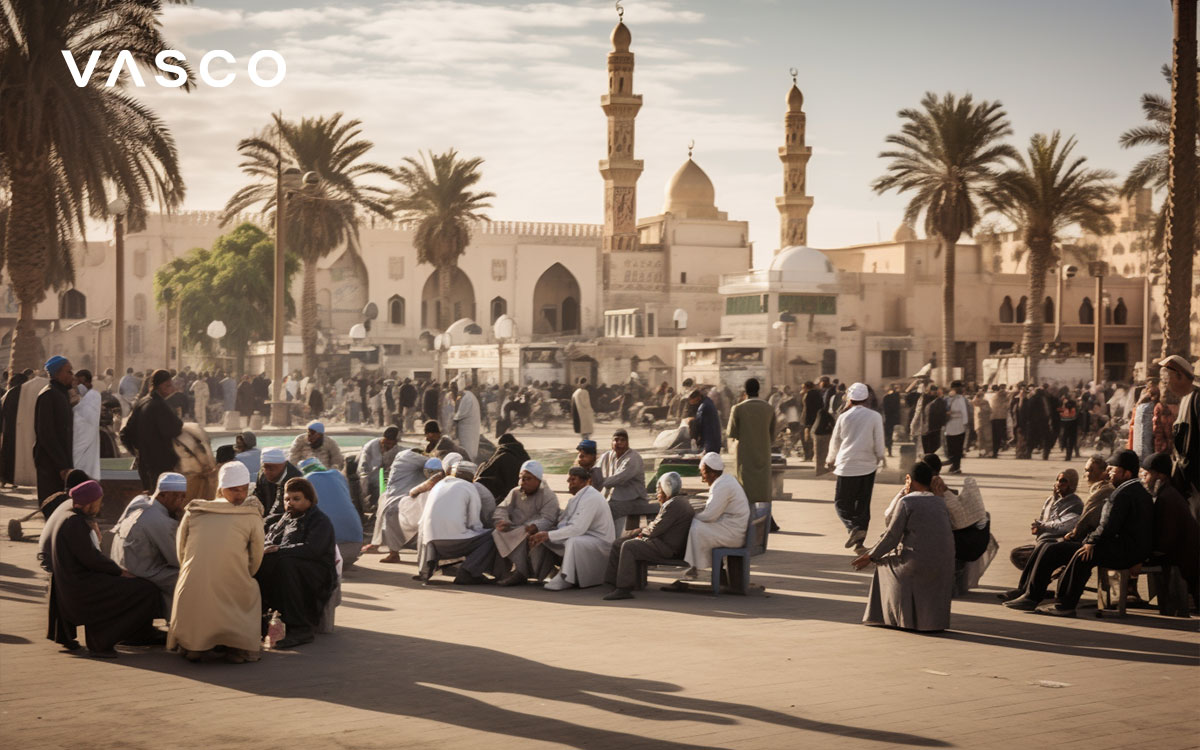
(310, 465)
(170, 481)
(433, 464)
(316, 426)
(54, 364)
(587, 446)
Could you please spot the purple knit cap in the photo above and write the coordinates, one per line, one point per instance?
(83, 495)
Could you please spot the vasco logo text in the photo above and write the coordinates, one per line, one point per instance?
(178, 75)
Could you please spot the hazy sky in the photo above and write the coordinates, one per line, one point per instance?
(518, 83)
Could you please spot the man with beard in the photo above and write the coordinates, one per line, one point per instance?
(144, 537)
(152, 429)
(53, 426)
(314, 444)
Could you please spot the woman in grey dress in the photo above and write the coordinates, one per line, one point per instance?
(914, 573)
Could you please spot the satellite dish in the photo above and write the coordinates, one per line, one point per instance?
(371, 311)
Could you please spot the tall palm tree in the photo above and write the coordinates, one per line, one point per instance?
(319, 219)
(947, 154)
(66, 150)
(1180, 237)
(1043, 195)
(436, 193)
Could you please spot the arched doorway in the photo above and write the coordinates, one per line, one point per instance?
(460, 304)
(556, 302)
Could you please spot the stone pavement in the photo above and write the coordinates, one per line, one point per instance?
(450, 667)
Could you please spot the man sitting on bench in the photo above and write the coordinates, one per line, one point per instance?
(664, 540)
(722, 523)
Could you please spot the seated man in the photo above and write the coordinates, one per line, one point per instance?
(144, 537)
(399, 514)
(624, 479)
(914, 574)
(91, 590)
(466, 470)
(314, 444)
(449, 528)
(275, 472)
(248, 452)
(1124, 538)
(61, 508)
(217, 610)
(334, 491)
(1176, 533)
(722, 523)
(581, 539)
(1059, 514)
(530, 507)
(664, 540)
(437, 444)
(586, 457)
(298, 573)
(501, 472)
(375, 459)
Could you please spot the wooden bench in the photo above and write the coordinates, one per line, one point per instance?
(1104, 592)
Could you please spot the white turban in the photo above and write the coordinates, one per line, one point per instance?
(534, 468)
(858, 392)
(450, 460)
(713, 461)
(169, 481)
(233, 474)
(466, 467)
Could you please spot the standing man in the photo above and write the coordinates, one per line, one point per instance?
(467, 422)
(752, 425)
(127, 391)
(1000, 405)
(408, 405)
(891, 415)
(151, 431)
(958, 414)
(200, 394)
(706, 425)
(855, 449)
(85, 441)
(1178, 377)
(53, 428)
(814, 404)
(582, 416)
(928, 420)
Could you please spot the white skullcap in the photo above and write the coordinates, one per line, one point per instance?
(713, 461)
(670, 483)
(233, 474)
(170, 481)
(466, 467)
(449, 460)
(274, 456)
(534, 468)
(858, 392)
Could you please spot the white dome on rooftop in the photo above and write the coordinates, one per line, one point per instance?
(800, 263)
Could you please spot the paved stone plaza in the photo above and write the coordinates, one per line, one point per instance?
(453, 667)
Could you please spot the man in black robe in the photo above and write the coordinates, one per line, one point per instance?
(502, 471)
(54, 427)
(273, 476)
(8, 429)
(151, 431)
(89, 589)
(298, 573)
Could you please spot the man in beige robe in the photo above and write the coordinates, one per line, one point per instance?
(530, 507)
(582, 414)
(217, 601)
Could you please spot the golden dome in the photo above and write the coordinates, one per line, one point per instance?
(690, 192)
(621, 37)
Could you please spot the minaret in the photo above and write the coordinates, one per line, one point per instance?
(620, 170)
(794, 205)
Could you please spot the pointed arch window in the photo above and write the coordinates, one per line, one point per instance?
(1006, 310)
(1021, 310)
(1087, 313)
(1120, 314)
(396, 310)
(1048, 310)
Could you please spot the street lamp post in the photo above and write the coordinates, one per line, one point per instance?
(98, 325)
(1097, 270)
(504, 329)
(1065, 273)
(117, 207)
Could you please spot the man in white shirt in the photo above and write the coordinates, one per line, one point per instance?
(582, 538)
(856, 447)
(450, 527)
(957, 416)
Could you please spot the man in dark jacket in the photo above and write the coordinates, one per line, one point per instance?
(8, 428)
(502, 471)
(891, 415)
(1179, 378)
(813, 404)
(298, 573)
(272, 477)
(1176, 533)
(408, 405)
(151, 431)
(431, 400)
(1124, 538)
(706, 426)
(664, 539)
(53, 426)
(934, 408)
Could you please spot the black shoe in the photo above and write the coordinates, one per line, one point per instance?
(71, 645)
(296, 639)
(466, 579)
(618, 594)
(1011, 594)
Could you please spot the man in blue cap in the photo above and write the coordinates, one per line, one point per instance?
(315, 444)
(53, 427)
(586, 457)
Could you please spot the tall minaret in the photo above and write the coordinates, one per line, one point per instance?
(620, 170)
(794, 205)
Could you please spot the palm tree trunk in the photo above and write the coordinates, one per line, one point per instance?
(27, 247)
(949, 358)
(1181, 184)
(1035, 310)
(444, 311)
(308, 316)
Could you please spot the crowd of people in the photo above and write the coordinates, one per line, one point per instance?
(283, 524)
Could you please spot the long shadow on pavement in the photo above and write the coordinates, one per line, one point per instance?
(408, 676)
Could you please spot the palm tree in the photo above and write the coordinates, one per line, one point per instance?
(320, 219)
(436, 193)
(66, 150)
(947, 154)
(1180, 236)
(1044, 195)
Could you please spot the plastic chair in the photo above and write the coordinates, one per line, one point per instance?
(739, 557)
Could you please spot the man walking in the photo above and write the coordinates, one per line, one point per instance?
(855, 449)
(957, 416)
(752, 425)
(891, 415)
(151, 431)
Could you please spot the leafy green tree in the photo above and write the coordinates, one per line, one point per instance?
(66, 150)
(320, 219)
(234, 282)
(436, 193)
(1043, 196)
(947, 155)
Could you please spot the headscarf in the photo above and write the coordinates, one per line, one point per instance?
(671, 484)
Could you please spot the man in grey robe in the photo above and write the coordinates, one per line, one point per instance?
(467, 427)
(376, 457)
(914, 574)
(144, 537)
(530, 507)
(663, 540)
(624, 482)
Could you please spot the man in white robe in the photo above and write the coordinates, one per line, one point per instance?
(200, 393)
(530, 507)
(582, 538)
(449, 528)
(581, 411)
(412, 478)
(467, 425)
(723, 521)
(85, 449)
(144, 538)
